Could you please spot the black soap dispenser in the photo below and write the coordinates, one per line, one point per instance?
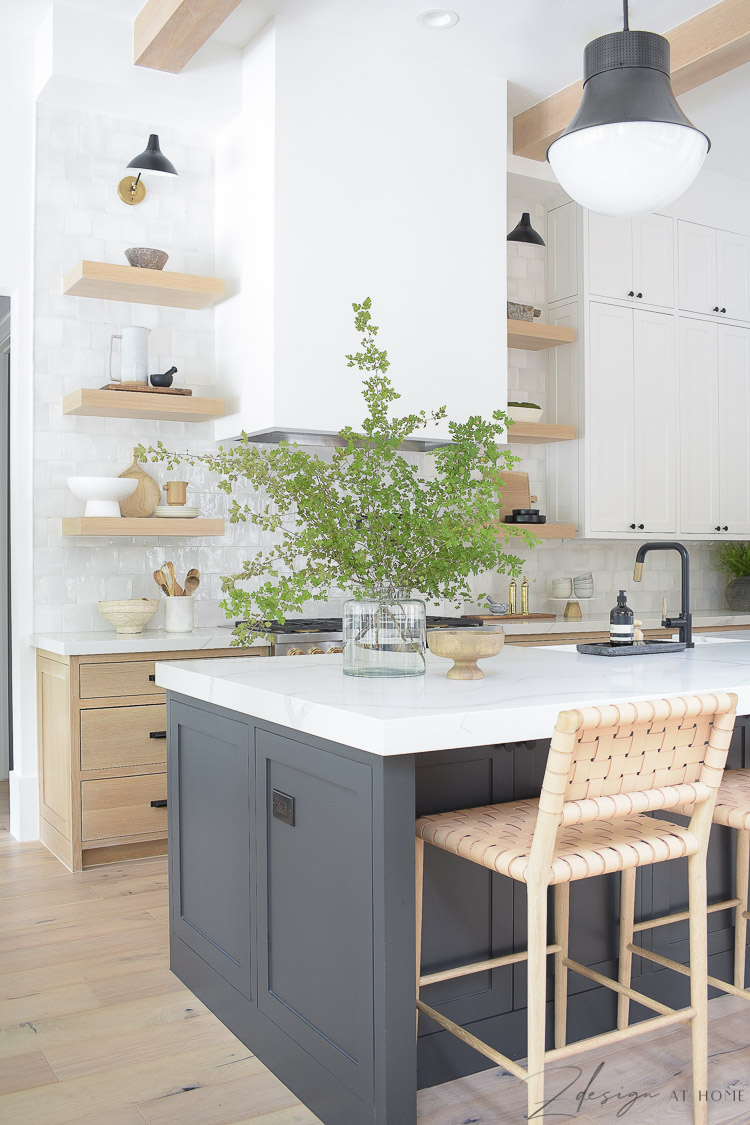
(621, 628)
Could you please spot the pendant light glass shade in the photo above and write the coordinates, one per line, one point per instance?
(629, 149)
(153, 160)
(524, 232)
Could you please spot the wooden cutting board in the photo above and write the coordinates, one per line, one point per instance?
(142, 389)
(515, 492)
(510, 616)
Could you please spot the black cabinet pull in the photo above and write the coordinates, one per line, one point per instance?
(152, 678)
(632, 527)
(715, 308)
(159, 804)
(639, 295)
(717, 528)
(631, 293)
(641, 526)
(157, 734)
(725, 528)
(723, 310)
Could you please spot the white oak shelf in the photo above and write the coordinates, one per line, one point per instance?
(543, 530)
(153, 525)
(539, 433)
(90, 403)
(112, 282)
(531, 336)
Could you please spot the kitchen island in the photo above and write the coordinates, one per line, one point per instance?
(292, 797)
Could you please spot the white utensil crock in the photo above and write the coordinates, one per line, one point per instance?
(178, 614)
(133, 355)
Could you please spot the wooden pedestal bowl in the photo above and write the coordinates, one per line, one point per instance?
(464, 647)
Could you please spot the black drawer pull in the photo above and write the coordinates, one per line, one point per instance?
(152, 678)
(159, 804)
(157, 734)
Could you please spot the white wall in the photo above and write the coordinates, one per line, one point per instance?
(388, 182)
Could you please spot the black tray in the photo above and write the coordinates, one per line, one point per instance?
(525, 519)
(604, 648)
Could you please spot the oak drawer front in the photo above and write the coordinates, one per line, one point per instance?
(126, 677)
(123, 736)
(122, 806)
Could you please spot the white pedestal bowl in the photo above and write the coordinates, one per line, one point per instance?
(102, 494)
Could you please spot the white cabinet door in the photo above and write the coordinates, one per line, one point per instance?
(697, 267)
(733, 275)
(699, 457)
(610, 419)
(562, 252)
(655, 410)
(653, 259)
(734, 429)
(611, 257)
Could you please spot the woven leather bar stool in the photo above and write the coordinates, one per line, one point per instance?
(606, 768)
(732, 809)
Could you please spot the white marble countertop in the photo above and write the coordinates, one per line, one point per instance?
(520, 697)
(100, 643)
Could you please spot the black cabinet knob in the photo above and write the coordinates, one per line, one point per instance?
(631, 293)
(641, 526)
(717, 528)
(723, 310)
(639, 295)
(715, 308)
(152, 678)
(725, 528)
(632, 527)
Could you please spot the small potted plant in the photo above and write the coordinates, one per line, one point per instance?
(364, 520)
(525, 411)
(734, 558)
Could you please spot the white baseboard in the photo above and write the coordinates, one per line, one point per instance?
(24, 806)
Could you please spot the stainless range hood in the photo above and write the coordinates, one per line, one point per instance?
(359, 169)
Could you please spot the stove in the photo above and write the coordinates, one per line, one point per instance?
(303, 636)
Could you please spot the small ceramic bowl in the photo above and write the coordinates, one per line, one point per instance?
(464, 647)
(147, 258)
(129, 615)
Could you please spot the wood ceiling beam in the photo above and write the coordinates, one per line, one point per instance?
(709, 44)
(167, 33)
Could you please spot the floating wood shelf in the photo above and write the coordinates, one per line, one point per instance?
(91, 403)
(153, 525)
(538, 433)
(532, 336)
(112, 282)
(543, 530)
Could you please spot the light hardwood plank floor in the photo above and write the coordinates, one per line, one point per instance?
(95, 1030)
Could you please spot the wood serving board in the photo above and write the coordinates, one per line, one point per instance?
(142, 389)
(510, 617)
(515, 493)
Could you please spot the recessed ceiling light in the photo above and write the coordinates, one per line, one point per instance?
(438, 19)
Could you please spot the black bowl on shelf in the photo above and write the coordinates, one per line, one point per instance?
(534, 518)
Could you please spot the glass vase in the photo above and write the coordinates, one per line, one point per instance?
(385, 634)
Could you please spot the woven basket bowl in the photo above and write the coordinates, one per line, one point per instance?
(130, 614)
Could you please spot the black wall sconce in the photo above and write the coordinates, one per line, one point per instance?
(132, 190)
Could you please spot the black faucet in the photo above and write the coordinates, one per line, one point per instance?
(685, 621)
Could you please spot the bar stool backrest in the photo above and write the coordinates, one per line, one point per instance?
(630, 758)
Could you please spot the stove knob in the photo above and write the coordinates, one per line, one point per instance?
(295, 652)
(335, 648)
(314, 650)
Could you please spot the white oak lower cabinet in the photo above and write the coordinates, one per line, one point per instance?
(102, 754)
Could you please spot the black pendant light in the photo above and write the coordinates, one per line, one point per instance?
(524, 232)
(629, 148)
(151, 160)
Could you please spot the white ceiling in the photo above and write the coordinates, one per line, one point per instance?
(537, 44)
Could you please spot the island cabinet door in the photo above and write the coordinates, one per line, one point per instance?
(315, 903)
(210, 835)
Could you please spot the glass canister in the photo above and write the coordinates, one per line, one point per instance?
(385, 634)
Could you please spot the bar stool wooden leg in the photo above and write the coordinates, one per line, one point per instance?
(740, 921)
(536, 911)
(419, 889)
(625, 963)
(562, 928)
(697, 903)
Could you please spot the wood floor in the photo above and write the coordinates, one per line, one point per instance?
(95, 1030)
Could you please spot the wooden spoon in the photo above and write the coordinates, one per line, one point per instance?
(192, 582)
(161, 581)
(167, 579)
(177, 589)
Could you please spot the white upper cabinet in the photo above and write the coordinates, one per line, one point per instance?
(733, 275)
(655, 407)
(714, 271)
(699, 465)
(733, 356)
(632, 259)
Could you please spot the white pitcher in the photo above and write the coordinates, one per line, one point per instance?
(133, 355)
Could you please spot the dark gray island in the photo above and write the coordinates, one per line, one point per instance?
(292, 798)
